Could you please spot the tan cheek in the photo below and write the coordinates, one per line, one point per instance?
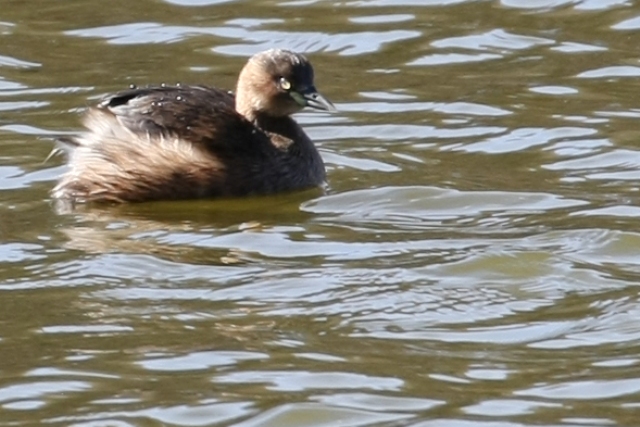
(269, 94)
(257, 103)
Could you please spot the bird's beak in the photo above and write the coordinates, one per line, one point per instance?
(310, 97)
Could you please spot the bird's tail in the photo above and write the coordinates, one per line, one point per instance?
(63, 145)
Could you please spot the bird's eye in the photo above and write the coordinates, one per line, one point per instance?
(285, 84)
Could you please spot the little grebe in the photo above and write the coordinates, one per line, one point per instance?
(179, 142)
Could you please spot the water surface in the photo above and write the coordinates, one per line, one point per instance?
(474, 261)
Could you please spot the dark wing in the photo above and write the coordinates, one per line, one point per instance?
(198, 114)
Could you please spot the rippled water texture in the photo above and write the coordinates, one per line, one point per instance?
(474, 262)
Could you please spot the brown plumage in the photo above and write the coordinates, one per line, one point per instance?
(183, 142)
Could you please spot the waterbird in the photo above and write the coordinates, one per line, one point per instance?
(181, 142)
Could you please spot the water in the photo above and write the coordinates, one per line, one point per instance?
(474, 261)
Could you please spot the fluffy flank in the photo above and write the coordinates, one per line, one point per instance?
(111, 163)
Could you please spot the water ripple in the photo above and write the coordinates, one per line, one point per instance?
(257, 40)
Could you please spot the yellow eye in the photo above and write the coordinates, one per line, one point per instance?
(285, 84)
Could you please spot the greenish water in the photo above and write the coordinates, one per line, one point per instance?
(474, 262)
